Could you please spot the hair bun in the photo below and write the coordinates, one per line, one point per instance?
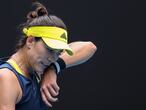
(32, 14)
(41, 11)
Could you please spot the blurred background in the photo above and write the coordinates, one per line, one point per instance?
(114, 78)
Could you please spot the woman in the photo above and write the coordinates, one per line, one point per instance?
(41, 52)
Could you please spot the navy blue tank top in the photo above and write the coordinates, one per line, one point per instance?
(31, 96)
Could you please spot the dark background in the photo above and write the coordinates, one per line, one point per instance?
(114, 78)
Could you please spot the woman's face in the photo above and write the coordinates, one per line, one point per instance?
(41, 56)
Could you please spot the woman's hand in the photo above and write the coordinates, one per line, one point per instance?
(49, 87)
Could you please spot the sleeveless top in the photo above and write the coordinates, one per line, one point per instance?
(31, 96)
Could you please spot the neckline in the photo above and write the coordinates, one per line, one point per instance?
(16, 67)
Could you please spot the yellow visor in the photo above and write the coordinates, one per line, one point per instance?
(54, 37)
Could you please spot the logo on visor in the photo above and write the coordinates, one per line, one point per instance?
(63, 36)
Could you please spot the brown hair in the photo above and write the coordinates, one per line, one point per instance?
(39, 17)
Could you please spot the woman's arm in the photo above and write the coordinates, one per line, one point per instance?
(9, 90)
(83, 51)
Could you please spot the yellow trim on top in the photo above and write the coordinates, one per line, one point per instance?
(16, 67)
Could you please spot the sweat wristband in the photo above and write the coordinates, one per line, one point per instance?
(59, 65)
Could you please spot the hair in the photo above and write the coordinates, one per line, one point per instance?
(38, 17)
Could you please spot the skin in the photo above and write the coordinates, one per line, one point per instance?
(35, 56)
(83, 51)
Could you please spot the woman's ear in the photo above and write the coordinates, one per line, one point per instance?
(30, 42)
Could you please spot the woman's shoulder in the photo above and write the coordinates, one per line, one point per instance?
(7, 75)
